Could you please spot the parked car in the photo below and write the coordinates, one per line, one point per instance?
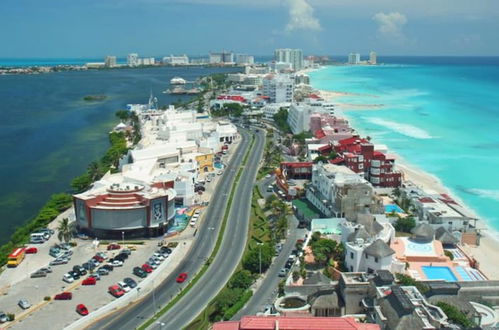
(166, 249)
(24, 304)
(54, 252)
(47, 230)
(159, 256)
(108, 267)
(113, 246)
(139, 272)
(116, 263)
(75, 275)
(126, 251)
(152, 264)
(96, 276)
(89, 281)
(147, 268)
(181, 277)
(124, 286)
(80, 270)
(123, 255)
(116, 291)
(45, 269)
(103, 255)
(3, 317)
(31, 250)
(38, 274)
(68, 278)
(58, 261)
(81, 309)
(64, 296)
(130, 282)
(102, 271)
(283, 272)
(98, 258)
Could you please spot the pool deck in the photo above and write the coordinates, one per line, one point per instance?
(435, 258)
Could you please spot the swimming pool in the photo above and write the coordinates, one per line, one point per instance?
(389, 208)
(413, 248)
(439, 273)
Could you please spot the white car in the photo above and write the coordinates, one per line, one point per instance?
(152, 264)
(116, 263)
(124, 286)
(158, 256)
(192, 223)
(67, 278)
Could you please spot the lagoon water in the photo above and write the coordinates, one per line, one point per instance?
(48, 134)
(440, 114)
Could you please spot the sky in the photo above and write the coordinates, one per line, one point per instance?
(96, 28)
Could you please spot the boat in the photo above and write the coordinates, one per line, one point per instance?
(177, 81)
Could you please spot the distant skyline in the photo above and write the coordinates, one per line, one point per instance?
(96, 28)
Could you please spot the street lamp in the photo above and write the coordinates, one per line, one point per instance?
(123, 238)
(260, 257)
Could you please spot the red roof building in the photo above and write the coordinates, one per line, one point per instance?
(294, 323)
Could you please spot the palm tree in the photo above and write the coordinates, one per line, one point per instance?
(64, 230)
(94, 171)
(281, 227)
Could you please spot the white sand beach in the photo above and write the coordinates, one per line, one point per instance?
(488, 250)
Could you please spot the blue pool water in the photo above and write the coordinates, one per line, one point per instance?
(389, 208)
(464, 275)
(439, 273)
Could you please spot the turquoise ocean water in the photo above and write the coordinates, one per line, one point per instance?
(441, 115)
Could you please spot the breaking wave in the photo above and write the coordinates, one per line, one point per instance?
(405, 129)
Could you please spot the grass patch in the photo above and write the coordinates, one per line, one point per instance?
(218, 243)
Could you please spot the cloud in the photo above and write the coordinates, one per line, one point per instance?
(390, 25)
(301, 17)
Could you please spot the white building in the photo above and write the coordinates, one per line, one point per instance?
(132, 59)
(222, 58)
(176, 60)
(110, 61)
(293, 56)
(269, 110)
(278, 88)
(373, 58)
(242, 59)
(281, 66)
(299, 117)
(354, 58)
(302, 78)
(146, 61)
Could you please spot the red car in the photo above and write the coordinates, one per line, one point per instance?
(98, 258)
(147, 268)
(116, 291)
(113, 246)
(89, 281)
(64, 296)
(81, 309)
(181, 277)
(31, 250)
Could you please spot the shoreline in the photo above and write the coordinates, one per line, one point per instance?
(489, 236)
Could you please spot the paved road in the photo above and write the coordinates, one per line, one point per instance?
(267, 290)
(200, 251)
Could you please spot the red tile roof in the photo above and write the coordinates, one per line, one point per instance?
(337, 160)
(294, 323)
(426, 200)
(297, 165)
(319, 134)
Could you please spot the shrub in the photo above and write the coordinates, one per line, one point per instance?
(455, 315)
(449, 254)
(11, 317)
(405, 224)
(46, 298)
(241, 279)
(296, 276)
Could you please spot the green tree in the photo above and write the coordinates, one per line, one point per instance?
(269, 201)
(320, 159)
(64, 230)
(281, 226)
(94, 171)
(281, 120)
(455, 315)
(123, 115)
(405, 224)
(241, 279)
(227, 298)
(296, 276)
(81, 183)
(251, 261)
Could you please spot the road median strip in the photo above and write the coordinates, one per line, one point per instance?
(218, 243)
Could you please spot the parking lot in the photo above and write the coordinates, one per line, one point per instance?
(61, 313)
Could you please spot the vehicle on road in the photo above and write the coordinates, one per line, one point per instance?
(81, 309)
(31, 250)
(64, 296)
(89, 281)
(116, 291)
(3, 317)
(137, 271)
(182, 277)
(24, 304)
(124, 286)
(16, 257)
(130, 282)
(68, 278)
(283, 272)
(113, 246)
(38, 274)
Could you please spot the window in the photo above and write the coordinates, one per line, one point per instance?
(367, 257)
(351, 255)
(376, 260)
(351, 268)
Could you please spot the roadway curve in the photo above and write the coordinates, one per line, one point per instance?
(224, 263)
